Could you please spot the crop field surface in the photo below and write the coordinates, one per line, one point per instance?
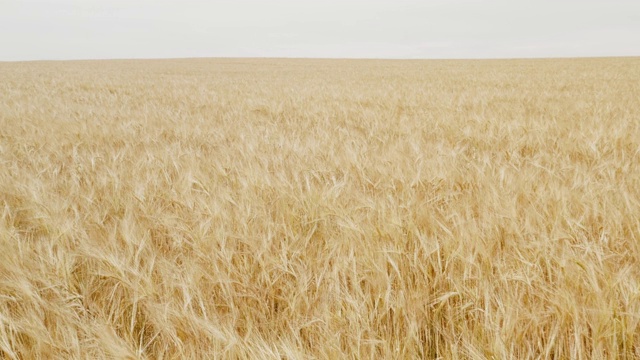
(320, 209)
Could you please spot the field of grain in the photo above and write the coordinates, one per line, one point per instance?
(299, 209)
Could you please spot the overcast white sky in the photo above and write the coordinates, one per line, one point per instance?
(99, 29)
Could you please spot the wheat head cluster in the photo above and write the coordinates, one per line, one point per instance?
(320, 209)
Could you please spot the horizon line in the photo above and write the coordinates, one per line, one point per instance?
(322, 58)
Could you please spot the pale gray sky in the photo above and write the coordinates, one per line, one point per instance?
(101, 29)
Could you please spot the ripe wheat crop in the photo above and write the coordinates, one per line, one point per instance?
(298, 209)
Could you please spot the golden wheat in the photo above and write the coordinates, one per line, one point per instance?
(271, 209)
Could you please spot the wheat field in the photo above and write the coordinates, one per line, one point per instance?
(320, 209)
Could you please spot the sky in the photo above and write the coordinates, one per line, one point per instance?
(102, 29)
